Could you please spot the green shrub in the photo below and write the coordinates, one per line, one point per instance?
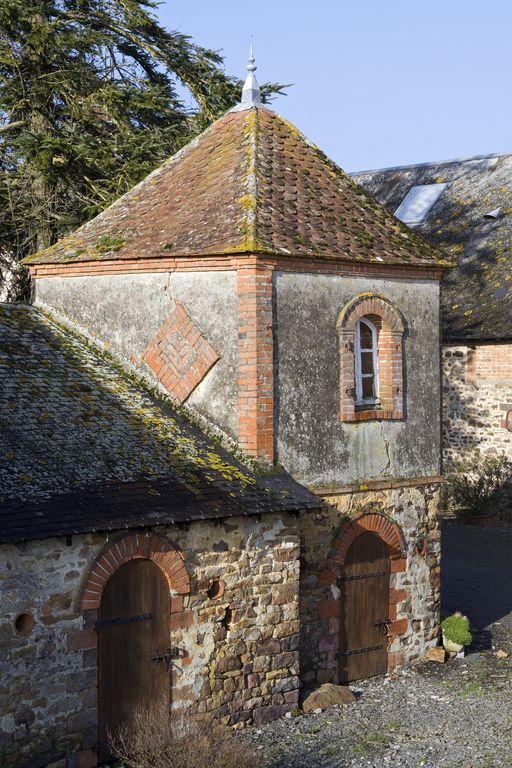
(456, 628)
(471, 486)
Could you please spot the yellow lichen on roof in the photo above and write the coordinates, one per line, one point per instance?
(250, 183)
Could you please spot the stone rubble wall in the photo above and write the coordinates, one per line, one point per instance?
(241, 665)
(477, 395)
(414, 585)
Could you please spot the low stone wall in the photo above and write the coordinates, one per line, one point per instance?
(411, 512)
(239, 650)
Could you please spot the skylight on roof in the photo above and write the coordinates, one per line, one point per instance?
(418, 202)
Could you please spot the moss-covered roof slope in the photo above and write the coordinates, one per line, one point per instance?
(83, 447)
(477, 294)
(250, 183)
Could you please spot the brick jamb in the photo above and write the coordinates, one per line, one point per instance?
(390, 357)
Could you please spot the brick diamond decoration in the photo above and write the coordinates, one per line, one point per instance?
(179, 354)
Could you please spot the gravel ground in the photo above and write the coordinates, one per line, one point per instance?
(456, 715)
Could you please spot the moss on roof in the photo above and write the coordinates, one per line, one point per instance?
(250, 183)
(71, 422)
(477, 294)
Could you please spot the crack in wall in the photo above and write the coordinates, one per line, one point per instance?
(387, 468)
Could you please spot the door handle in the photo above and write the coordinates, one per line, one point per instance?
(382, 623)
(166, 658)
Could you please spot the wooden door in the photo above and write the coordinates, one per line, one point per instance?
(364, 609)
(133, 624)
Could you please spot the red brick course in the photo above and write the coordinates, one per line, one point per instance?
(221, 262)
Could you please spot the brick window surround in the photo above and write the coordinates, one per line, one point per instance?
(390, 358)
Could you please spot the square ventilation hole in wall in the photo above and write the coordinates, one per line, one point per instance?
(418, 202)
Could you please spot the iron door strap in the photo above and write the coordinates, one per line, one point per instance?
(126, 620)
(362, 650)
(363, 576)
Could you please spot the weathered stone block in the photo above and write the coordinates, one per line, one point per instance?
(328, 695)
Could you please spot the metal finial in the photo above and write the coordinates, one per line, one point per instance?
(251, 95)
(251, 90)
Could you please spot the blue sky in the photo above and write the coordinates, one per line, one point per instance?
(376, 83)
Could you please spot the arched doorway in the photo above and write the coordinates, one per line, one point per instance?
(364, 585)
(133, 629)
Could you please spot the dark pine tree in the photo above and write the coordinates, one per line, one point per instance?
(89, 104)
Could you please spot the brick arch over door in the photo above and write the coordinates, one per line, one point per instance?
(375, 523)
(156, 548)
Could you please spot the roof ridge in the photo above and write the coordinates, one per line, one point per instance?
(432, 163)
(249, 200)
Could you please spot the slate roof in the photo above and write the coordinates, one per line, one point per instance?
(477, 294)
(250, 183)
(83, 447)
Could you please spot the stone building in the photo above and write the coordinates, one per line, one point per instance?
(249, 280)
(465, 207)
(100, 479)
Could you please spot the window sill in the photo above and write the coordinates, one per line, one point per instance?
(374, 414)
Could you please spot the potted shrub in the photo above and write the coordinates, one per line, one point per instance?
(472, 487)
(456, 632)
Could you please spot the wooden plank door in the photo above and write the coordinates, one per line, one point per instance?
(364, 609)
(133, 624)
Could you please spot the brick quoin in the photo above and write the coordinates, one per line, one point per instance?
(255, 374)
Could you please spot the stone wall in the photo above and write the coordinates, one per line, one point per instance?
(415, 575)
(239, 650)
(477, 396)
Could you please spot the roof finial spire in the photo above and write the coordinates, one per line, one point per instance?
(251, 94)
(251, 90)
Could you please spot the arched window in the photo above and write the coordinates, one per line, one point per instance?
(371, 333)
(366, 363)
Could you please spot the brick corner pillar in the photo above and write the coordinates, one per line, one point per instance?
(255, 360)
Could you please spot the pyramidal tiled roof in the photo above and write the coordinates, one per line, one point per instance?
(250, 183)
